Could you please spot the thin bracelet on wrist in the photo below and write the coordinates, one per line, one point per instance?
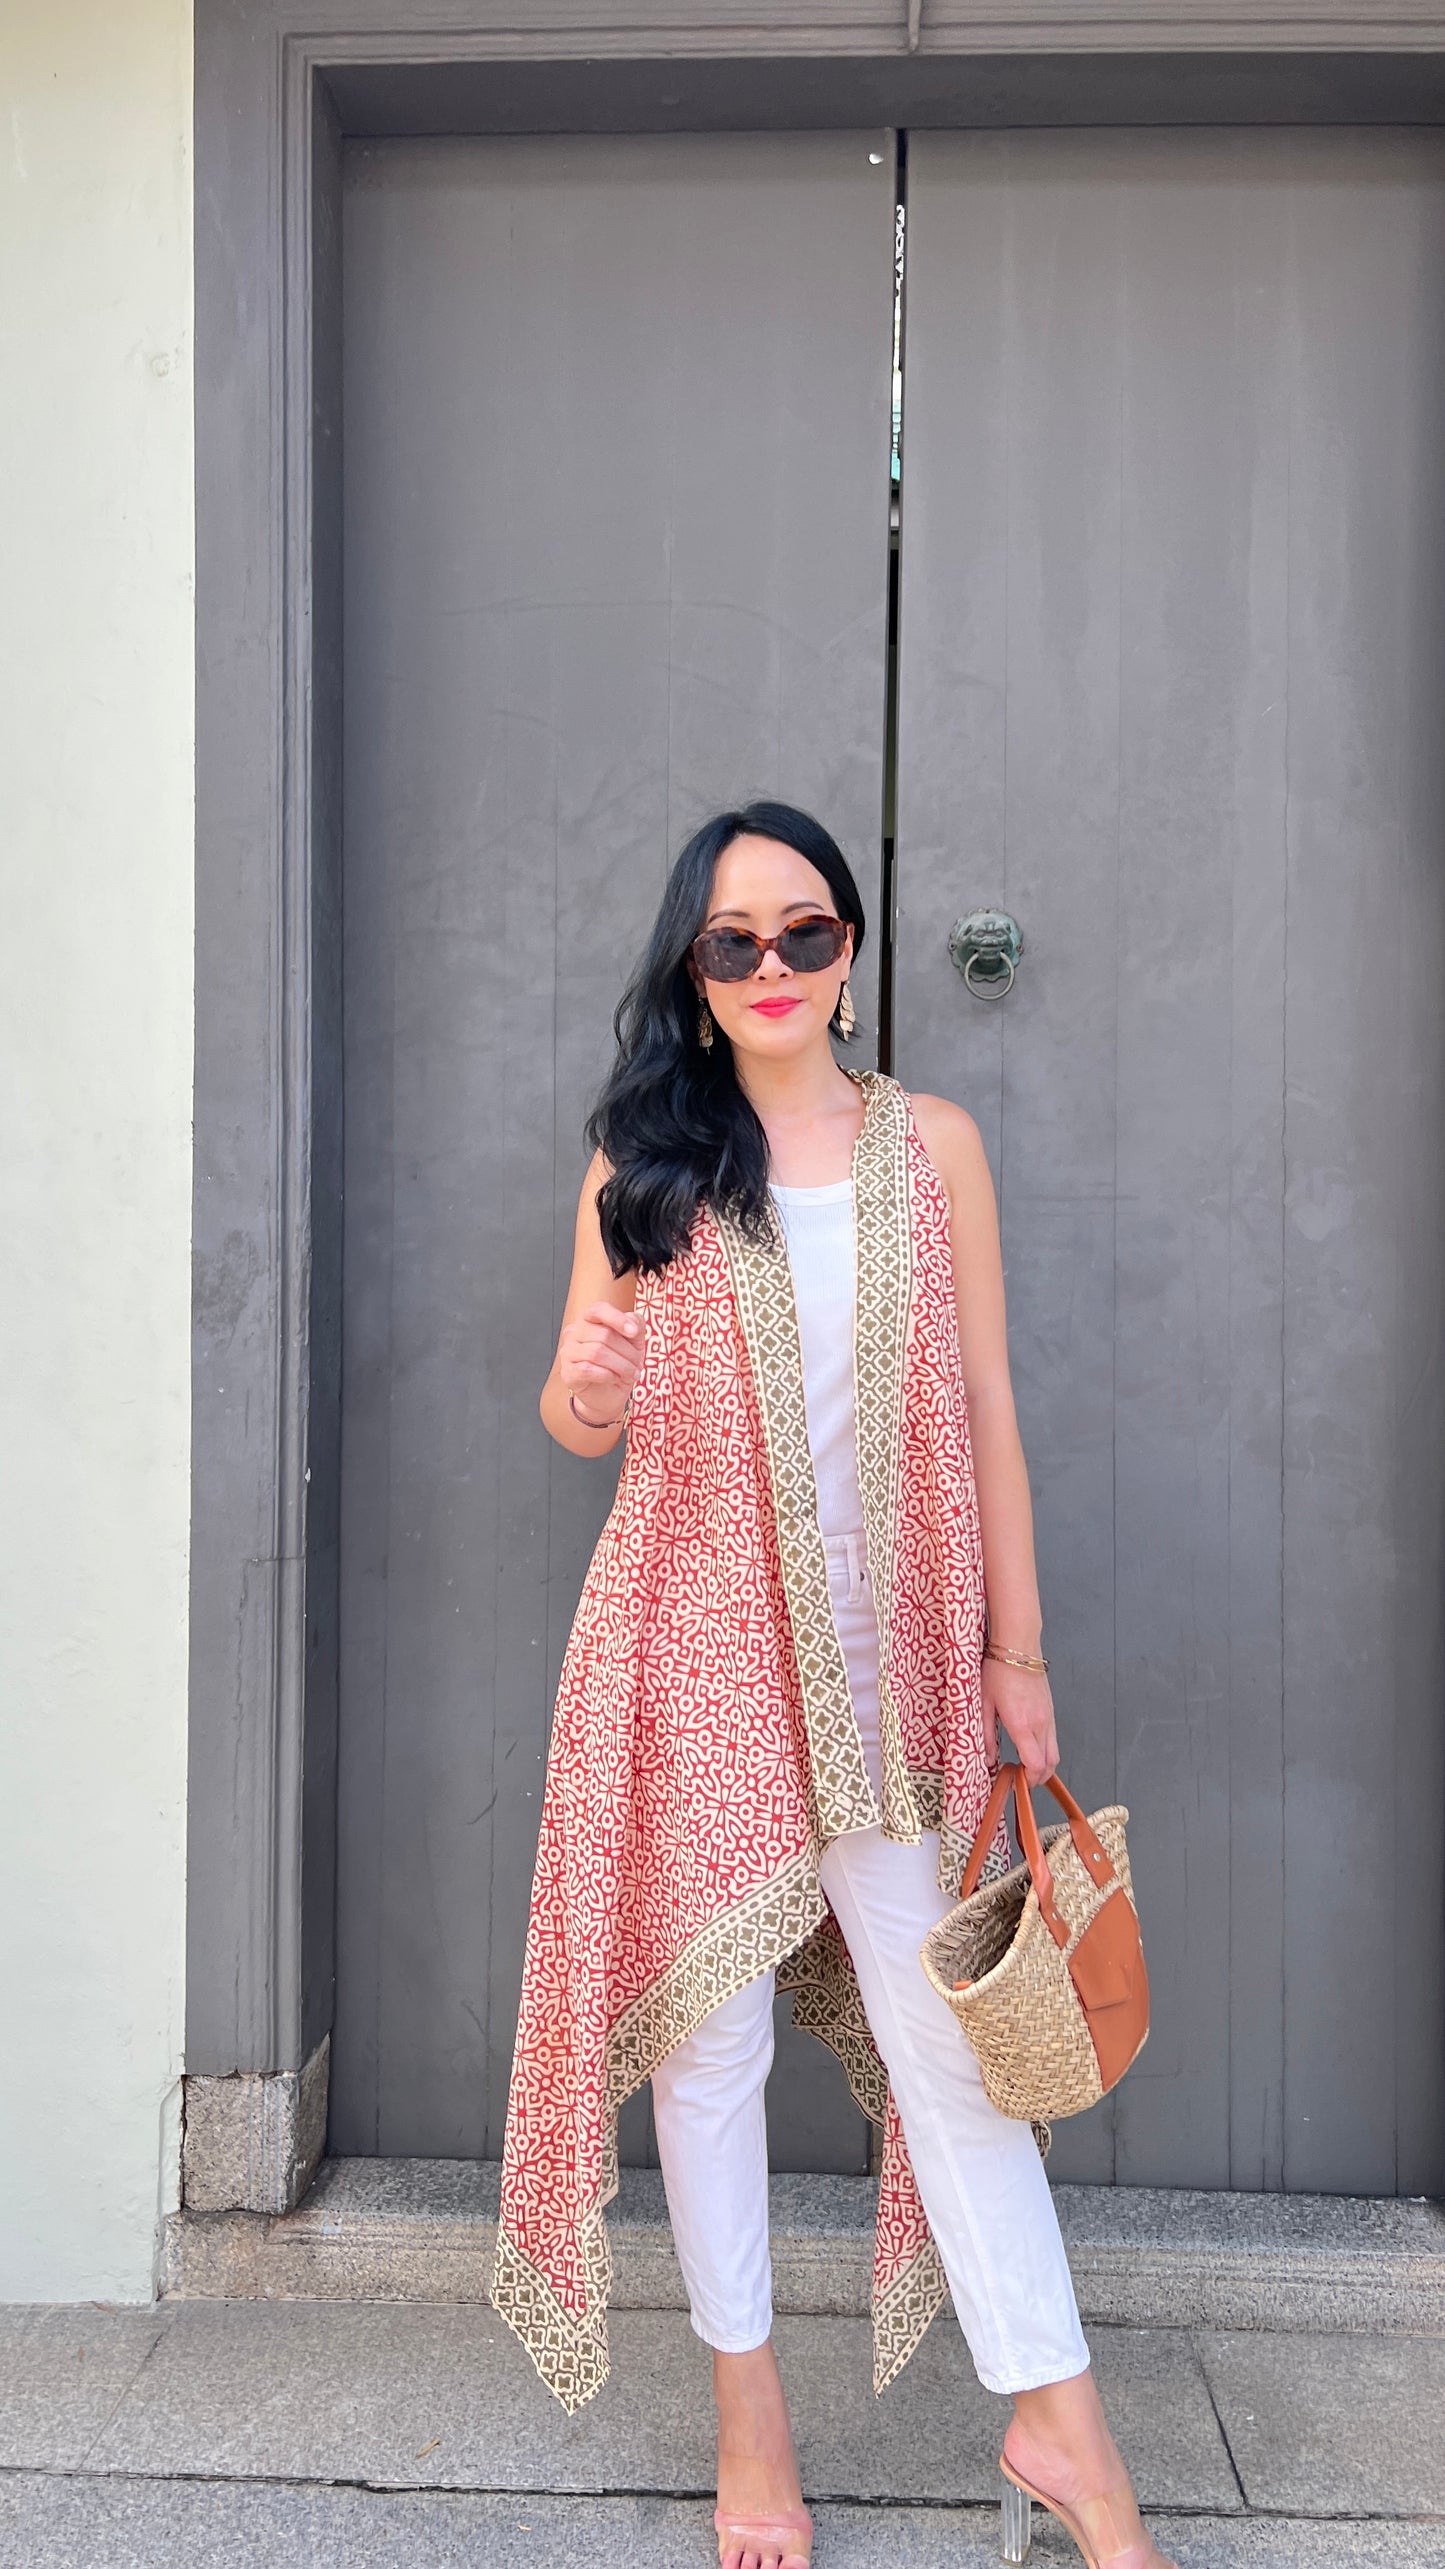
(1029, 1659)
(599, 1426)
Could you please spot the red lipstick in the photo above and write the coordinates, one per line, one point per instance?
(775, 1007)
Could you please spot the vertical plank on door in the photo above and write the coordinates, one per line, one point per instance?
(1365, 2095)
(617, 418)
(1171, 623)
(1202, 625)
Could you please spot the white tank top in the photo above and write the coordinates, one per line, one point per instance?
(818, 1227)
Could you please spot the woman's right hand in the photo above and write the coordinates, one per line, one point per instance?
(598, 1357)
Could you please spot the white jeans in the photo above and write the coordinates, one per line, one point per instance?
(979, 2172)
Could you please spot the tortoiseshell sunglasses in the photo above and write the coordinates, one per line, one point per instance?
(735, 954)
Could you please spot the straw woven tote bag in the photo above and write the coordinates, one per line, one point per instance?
(1045, 1970)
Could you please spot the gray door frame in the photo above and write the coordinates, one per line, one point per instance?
(279, 85)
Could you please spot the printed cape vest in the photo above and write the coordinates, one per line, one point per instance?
(704, 1747)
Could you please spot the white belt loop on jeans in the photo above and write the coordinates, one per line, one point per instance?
(852, 1549)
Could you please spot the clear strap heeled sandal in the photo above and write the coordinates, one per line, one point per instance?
(1016, 2531)
(790, 2534)
(1102, 2534)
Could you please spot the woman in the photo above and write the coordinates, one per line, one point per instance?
(777, 1721)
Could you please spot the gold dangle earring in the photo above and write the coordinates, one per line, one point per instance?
(704, 1025)
(847, 1014)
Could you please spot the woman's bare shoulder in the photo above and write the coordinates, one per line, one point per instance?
(955, 1145)
(941, 1116)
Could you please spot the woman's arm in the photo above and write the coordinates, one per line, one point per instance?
(1017, 1697)
(600, 1346)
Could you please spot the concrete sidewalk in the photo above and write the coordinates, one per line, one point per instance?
(339, 2435)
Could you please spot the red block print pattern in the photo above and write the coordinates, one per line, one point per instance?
(704, 1748)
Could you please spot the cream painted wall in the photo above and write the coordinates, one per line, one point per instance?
(96, 982)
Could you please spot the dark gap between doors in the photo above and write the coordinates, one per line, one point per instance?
(887, 897)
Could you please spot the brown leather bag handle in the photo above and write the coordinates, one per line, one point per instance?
(983, 1835)
(1010, 1779)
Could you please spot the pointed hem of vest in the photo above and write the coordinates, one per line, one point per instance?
(569, 2348)
(902, 2315)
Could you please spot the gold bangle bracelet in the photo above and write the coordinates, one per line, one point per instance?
(1015, 1658)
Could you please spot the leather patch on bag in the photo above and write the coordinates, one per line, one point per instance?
(1107, 1969)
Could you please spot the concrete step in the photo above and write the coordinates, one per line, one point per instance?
(424, 2229)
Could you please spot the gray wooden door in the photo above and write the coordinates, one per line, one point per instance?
(616, 475)
(1173, 670)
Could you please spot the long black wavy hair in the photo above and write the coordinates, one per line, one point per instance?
(671, 1120)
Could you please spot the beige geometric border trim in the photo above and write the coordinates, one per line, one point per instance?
(755, 1935)
(883, 1217)
(570, 2353)
(903, 2313)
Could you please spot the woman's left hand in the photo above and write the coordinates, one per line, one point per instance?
(1019, 1699)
